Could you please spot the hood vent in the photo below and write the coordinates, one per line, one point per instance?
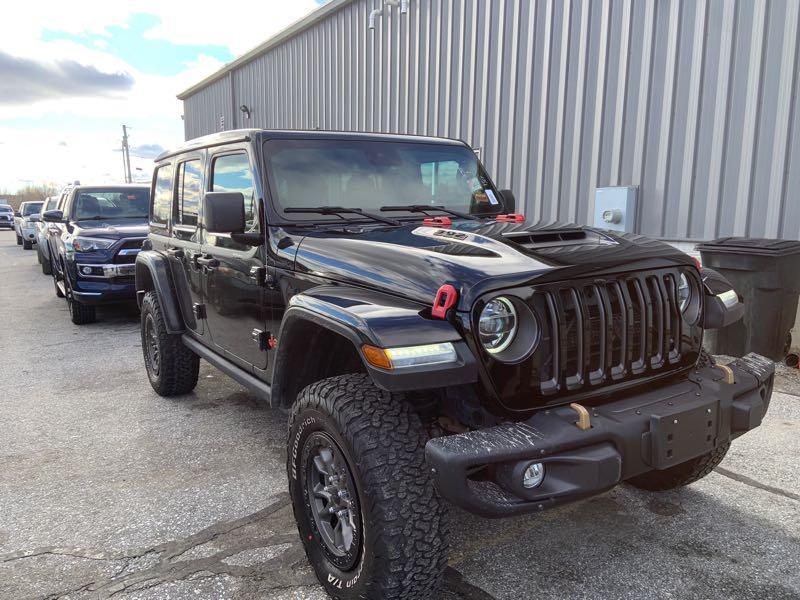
(557, 237)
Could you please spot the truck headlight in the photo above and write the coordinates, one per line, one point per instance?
(410, 356)
(497, 325)
(87, 244)
(684, 292)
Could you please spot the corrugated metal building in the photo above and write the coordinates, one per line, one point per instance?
(694, 101)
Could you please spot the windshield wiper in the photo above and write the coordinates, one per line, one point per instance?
(339, 211)
(425, 208)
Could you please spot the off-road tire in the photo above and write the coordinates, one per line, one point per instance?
(39, 258)
(403, 537)
(19, 240)
(682, 474)
(45, 262)
(27, 245)
(176, 368)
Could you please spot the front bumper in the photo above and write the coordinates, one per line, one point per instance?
(656, 429)
(112, 283)
(29, 233)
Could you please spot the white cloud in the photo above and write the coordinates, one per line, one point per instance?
(91, 126)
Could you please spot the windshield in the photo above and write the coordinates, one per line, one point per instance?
(31, 208)
(368, 175)
(6, 208)
(111, 203)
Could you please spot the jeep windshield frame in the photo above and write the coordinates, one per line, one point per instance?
(365, 175)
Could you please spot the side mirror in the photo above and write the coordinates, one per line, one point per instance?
(223, 212)
(53, 216)
(35, 218)
(17, 213)
(509, 202)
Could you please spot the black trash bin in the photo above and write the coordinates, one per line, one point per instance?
(766, 274)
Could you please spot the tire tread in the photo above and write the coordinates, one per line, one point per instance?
(180, 367)
(388, 440)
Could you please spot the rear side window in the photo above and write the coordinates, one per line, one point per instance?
(231, 173)
(162, 196)
(188, 198)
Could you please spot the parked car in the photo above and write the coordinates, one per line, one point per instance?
(431, 345)
(42, 255)
(6, 216)
(93, 239)
(25, 223)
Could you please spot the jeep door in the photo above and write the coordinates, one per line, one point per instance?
(233, 296)
(184, 242)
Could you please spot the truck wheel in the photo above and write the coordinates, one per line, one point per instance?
(38, 254)
(682, 474)
(171, 367)
(371, 521)
(46, 267)
(79, 313)
(54, 273)
(19, 240)
(27, 245)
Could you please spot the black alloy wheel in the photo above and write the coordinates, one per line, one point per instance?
(332, 500)
(152, 354)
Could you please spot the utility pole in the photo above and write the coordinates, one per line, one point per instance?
(126, 156)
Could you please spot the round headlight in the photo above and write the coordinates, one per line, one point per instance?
(497, 325)
(684, 292)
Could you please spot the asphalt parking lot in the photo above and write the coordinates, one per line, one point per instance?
(109, 490)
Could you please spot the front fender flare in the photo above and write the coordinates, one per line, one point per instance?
(153, 274)
(364, 317)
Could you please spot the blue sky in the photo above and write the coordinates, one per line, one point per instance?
(72, 73)
(156, 56)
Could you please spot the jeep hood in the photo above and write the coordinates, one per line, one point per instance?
(413, 261)
(112, 228)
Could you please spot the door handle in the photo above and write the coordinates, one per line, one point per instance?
(206, 260)
(175, 252)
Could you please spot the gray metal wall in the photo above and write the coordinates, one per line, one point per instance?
(695, 101)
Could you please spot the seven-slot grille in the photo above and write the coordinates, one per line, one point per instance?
(607, 330)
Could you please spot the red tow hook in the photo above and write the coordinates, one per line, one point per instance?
(437, 222)
(510, 218)
(446, 298)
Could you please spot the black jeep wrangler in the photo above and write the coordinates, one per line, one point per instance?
(430, 344)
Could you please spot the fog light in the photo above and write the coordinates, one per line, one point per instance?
(86, 270)
(533, 475)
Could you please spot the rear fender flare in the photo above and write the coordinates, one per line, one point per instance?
(153, 274)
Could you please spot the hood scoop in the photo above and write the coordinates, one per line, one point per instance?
(558, 237)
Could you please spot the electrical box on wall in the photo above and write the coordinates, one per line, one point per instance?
(615, 208)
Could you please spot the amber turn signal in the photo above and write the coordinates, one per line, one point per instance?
(377, 357)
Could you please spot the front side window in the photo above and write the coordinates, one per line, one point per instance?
(188, 200)
(370, 175)
(231, 173)
(162, 196)
(51, 204)
(92, 204)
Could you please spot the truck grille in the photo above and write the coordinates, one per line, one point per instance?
(600, 332)
(608, 330)
(126, 254)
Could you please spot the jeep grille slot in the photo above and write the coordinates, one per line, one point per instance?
(605, 331)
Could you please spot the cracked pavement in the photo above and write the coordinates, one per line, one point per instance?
(107, 490)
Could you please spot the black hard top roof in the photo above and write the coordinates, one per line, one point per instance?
(241, 135)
